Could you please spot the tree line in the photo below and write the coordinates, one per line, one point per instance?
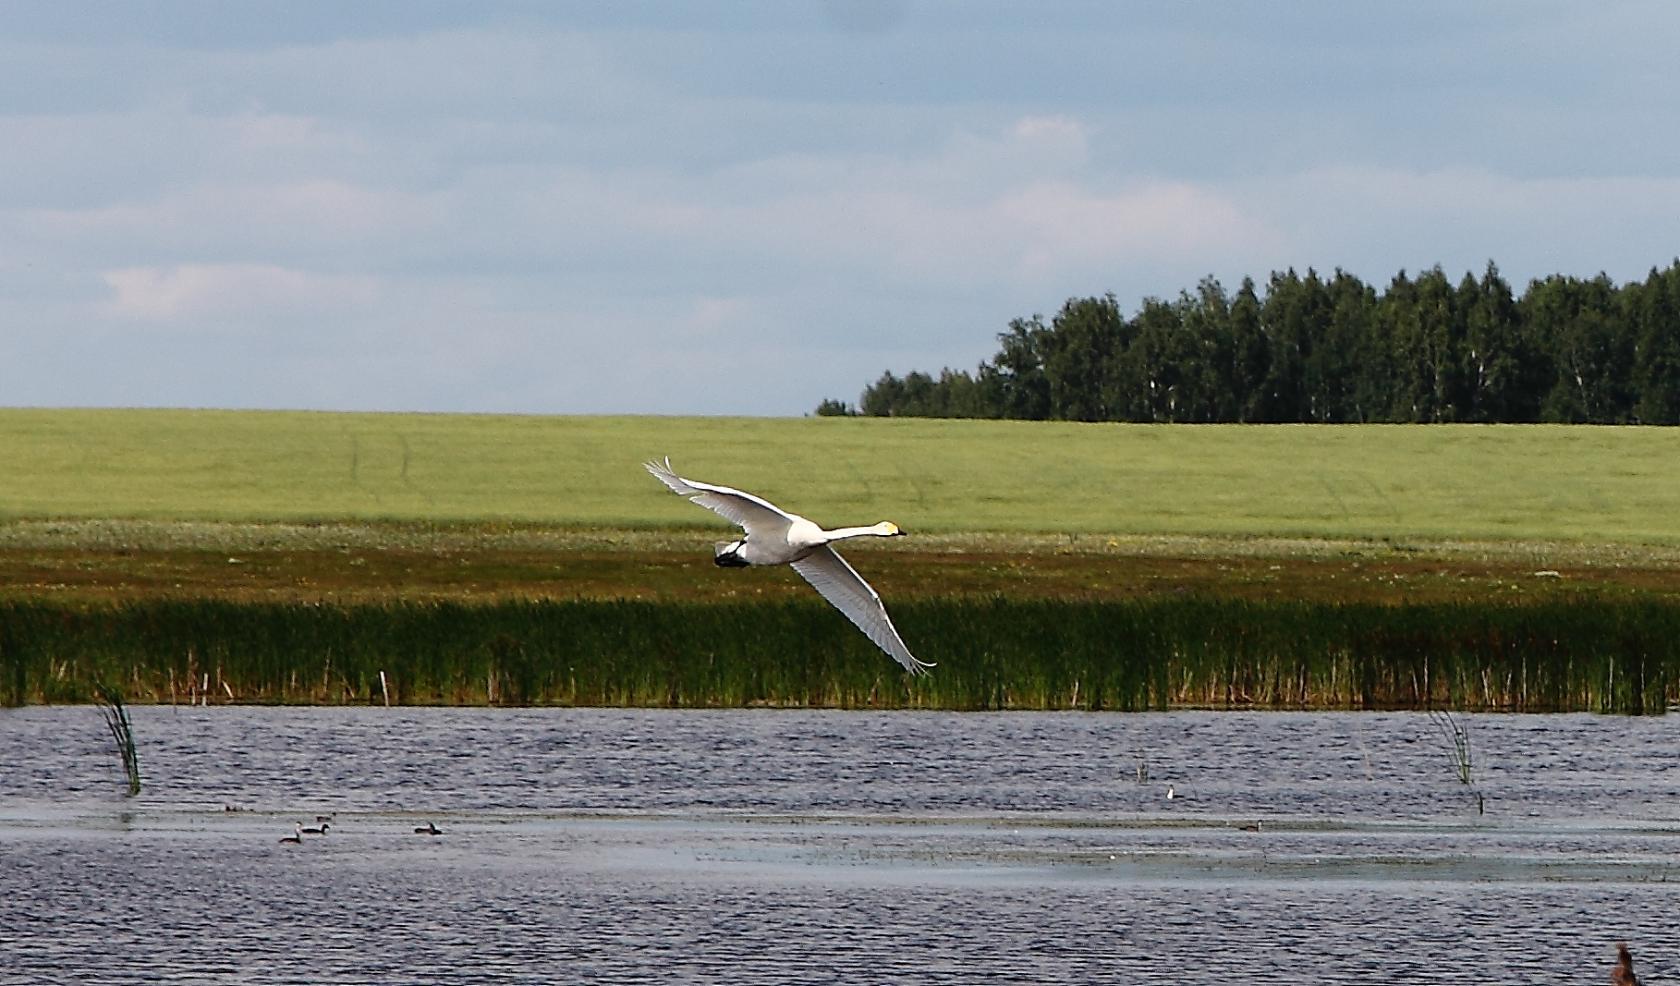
(1328, 349)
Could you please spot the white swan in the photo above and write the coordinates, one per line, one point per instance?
(776, 537)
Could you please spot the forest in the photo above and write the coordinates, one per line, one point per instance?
(1314, 349)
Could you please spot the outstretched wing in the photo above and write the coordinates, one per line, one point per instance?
(841, 585)
(750, 512)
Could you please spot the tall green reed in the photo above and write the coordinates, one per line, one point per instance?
(993, 653)
(122, 732)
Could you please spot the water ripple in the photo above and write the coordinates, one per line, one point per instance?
(791, 847)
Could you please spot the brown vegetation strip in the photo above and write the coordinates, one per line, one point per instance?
(366, 572)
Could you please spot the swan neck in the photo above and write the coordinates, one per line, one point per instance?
(842, 533)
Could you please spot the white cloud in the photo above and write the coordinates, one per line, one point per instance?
(283, 133)
(308, 213)
(1062, 136)
(1061, 225)
(196, 290)
(967, 214)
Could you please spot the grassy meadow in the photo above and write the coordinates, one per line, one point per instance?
(1436, 482)
(291, 556)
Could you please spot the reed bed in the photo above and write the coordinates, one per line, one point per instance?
(1594, 654)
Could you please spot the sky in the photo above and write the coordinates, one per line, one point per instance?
(744, 208)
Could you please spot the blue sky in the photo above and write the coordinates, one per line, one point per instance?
(743, 208)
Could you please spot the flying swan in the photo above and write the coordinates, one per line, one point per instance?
(776, 537)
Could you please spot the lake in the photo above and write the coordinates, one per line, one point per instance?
(760, 846)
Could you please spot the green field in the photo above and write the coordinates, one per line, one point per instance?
(1432, 482)
(291, 557)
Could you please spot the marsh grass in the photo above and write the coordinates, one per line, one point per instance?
(1457, 738)
(1584, 654)
(122, 732)
(1456, 735)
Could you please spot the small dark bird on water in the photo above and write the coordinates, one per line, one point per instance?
(315, 830)
(1623, 975)
(428, 829)
(296, 838)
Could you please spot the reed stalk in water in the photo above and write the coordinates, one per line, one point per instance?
(1457, 736)
(122, 731)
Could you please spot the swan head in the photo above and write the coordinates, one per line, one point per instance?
(888, 529)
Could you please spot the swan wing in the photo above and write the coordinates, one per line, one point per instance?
(841, 585)
(750, 512)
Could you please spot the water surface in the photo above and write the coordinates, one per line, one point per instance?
(785, 847)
